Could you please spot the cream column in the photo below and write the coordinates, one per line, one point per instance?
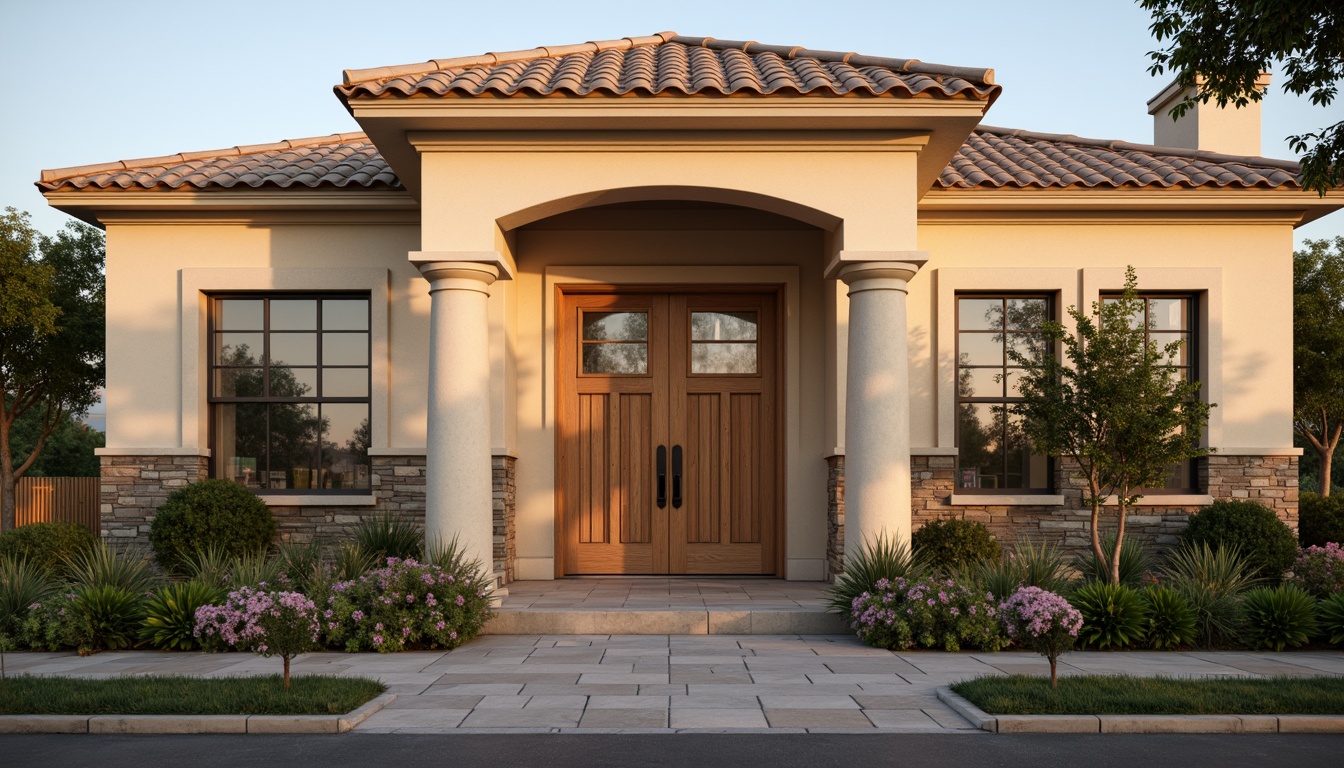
(457, 447)
(877, 398)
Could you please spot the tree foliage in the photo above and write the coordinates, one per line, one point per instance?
(1114, 407)
(51, 336)
(1222, 46)
(1318, 350)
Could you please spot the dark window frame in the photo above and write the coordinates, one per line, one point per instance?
(1005, 399)
(213, 400)
(1192, 332)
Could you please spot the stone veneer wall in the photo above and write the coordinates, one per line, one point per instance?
(506, 550)
(1268, 480)
(133, 488)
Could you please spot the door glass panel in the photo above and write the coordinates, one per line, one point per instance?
(723, 358)
(615, 326)
(618, 358)
(723, 326)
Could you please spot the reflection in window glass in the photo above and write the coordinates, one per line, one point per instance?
(293, 349)
(723, 326)
(345, 315)
(992, 447)
(240, 314)
(273, 429)
(615, 326)
(293, 315)
(731, 358)
(616, 358)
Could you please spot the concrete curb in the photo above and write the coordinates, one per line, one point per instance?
(1139, 723)
(161, 724)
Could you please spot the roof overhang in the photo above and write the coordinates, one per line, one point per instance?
(390, 122)
(1288, 204)
(97, 206)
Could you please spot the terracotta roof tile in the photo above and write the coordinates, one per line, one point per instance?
(990, 158)
(669, 63)
(338, 160)
(1004, 157)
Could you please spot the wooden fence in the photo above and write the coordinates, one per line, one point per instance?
(58, 499)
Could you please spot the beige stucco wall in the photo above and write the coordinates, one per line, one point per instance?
(152, 357)
(1241, 268)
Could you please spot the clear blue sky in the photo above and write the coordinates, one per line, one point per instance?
(95, 81)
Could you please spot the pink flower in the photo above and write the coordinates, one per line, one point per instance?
(461, 600)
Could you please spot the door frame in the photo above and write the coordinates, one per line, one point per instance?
(773, 289)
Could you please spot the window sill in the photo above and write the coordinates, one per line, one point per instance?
(296, 500)
(1005, 500)
(1167, 500)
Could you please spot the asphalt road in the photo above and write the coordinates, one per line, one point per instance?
(699, 751)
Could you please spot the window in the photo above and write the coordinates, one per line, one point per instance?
(993, 452)
(289, 391)
(1171, 317)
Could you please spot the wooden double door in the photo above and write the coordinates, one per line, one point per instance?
(668, 455)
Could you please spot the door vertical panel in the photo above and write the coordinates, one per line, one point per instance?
(637, 481)
(593, 467)
(747, 465)
(702, 469)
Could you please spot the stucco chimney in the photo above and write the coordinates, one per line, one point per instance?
(1231, 131)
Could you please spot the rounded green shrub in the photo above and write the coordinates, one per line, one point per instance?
(1171, 618)
(1113, 615)
(170, 614)
(46, 545)
(947, 545)
(216, 513)
(1266, 542)
(1279, 617)
(1320, 520)
(1330, 616)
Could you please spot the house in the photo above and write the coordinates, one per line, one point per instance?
(674, 305)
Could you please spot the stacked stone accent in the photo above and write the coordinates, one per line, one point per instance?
(506, 550)
(1268, 480)
(134, 487)
(835, 516)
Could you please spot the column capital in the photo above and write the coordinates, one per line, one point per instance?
(849, 265)
(458, 275)
(504, 269)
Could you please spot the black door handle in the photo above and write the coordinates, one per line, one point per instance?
(662, 476)
(676, 477)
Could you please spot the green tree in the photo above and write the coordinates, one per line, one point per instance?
(1223, 45)
(68, 451)
(1318, 350)
(51, 336)
(1115, 407)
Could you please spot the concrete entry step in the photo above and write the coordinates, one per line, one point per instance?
(664, 606)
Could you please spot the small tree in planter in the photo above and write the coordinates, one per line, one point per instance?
(280, 624)
(1117, 407)
(1042, 621)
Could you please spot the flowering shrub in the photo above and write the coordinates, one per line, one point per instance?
(1320, 570)
(931, 613)
(51, 624)
(1042, 621)
(405, 604)
(280, 624)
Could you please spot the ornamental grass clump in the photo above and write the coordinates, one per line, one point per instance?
(1330, 618)
(1113, 615)
(1042, 621)
(170, 614)
(1279, 617)
(931, 613)
(1171, 619)
(1320, 570)
(879, 558)
(280, 624)
(406, 604)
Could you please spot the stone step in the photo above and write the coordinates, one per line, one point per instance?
(626, 621)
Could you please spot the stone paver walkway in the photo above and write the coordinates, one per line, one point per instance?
(654, 593)
(662, 683)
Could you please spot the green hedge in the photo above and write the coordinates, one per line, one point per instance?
(1320, 520)
(1266, 542)
(217, 513)
(46, 545)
